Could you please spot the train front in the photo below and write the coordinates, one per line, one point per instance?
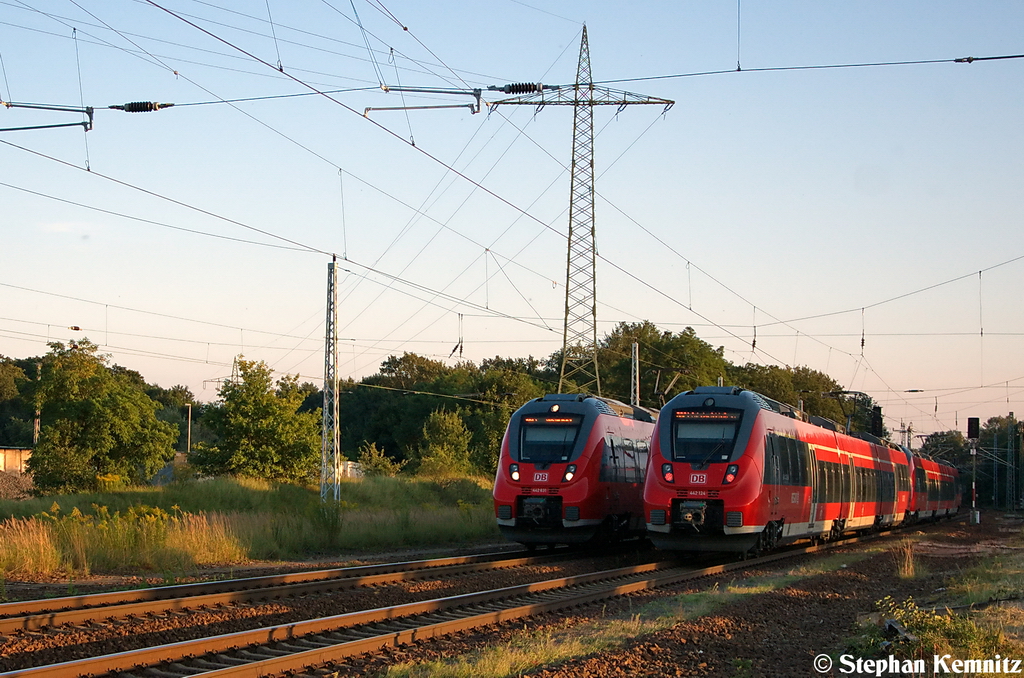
(545, 490)
(703, 488)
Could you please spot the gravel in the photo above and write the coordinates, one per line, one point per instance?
(15, 485)
(777, 633)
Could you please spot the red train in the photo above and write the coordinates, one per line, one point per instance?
(731, 470)
(572, 470)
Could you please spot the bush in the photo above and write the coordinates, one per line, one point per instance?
(445, 451)
(373, 462)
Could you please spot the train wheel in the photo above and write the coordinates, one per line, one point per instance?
(530, 547)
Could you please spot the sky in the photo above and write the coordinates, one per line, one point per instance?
(859, 213)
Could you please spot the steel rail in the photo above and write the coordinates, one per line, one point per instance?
(120, 604)
(290, 633)
(297, 646)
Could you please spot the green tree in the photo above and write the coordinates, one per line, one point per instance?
(16, 411)
(679, 359)
(374, 462)
(96, 421)
(821, 395)
(410, 370)
(260, 432)
(445, 450)
(814, 387)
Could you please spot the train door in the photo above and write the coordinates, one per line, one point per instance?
(814, 479)
(771, 474)
(847, 489)
(612, 473)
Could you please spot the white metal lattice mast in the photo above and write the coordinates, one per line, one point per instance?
(330, 457)
(579, 336)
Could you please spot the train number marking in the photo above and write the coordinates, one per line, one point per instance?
(699, 478)
(540, 477)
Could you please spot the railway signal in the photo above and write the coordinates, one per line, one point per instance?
(973, 430)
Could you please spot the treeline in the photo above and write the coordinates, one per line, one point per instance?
(999, 456)
(102, 424)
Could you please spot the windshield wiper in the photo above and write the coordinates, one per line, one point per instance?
(712, 453)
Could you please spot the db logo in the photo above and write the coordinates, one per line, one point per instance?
(698, 478)
(540, 477)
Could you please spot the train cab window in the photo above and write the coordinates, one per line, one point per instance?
(547, 439)
(704, 436)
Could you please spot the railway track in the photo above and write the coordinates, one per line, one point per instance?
(301, 647)
(33, 615)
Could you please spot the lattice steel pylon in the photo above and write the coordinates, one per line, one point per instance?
(330, 457)
(579, 335)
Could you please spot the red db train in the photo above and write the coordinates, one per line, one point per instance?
(572, 470)
(731, 470)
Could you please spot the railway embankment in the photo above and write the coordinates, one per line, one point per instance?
(772, 621)
(816, 614)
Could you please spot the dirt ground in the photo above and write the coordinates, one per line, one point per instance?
(781, 632)
(777, 633)
(15, 485)
(774, 634)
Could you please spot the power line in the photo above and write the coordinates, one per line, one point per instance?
(902, 296)
(817, 67)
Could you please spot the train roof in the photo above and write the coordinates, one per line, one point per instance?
(767, 403)
(603, 405)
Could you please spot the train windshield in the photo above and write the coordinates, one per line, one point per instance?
(548, 439)
(704, 436)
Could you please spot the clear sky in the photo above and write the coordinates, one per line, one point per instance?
(812, 204)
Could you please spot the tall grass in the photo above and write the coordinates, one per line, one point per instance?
(903, 555)
(220, 522)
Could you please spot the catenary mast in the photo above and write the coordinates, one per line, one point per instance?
(579, 336)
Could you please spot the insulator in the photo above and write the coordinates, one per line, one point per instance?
(523, 88)
(142, 107)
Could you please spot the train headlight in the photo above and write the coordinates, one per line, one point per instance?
(731, 471)
(513, 472)
(667, 473)
(570, 473)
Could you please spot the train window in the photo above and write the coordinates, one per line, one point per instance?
(919, 480)
(790, 462)
(611, 460)
(548, 439)
(703, 436)
(642, 452)
(799, 461)
(785, 461)
(821, 489)
(771, 458)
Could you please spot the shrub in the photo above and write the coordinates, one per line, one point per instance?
(374, 462)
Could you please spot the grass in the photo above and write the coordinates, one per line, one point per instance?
(939, 630)
(907, 566)
(999, 576)
(528, 649)
(219, 522)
